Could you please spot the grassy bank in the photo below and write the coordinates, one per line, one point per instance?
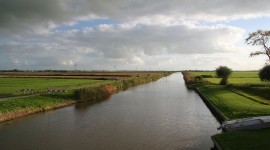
(12, 109)
(79, 90)
(242, 98)
(232, 104)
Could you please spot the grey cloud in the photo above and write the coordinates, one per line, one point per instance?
(17, 13)
(135, 45)
(156, 40)
(32, 13)
(132, 46)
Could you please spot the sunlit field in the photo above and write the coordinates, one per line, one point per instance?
(15, 86)
(238, 77)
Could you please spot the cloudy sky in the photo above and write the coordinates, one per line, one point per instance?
(130, 34)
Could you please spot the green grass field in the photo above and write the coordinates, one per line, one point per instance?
(14, 85)
(235, 74)
(231, 104)
(35, 102)
(238, 77)
(244, 140)
(245, 83)
(242, 81)
(246, 96)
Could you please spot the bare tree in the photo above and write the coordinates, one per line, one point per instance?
(259, 38)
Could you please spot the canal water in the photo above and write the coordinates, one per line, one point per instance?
(162, 115)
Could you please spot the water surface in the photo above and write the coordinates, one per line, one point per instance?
(161, 115)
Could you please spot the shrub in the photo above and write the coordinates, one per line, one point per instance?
(224, 73)
(198, 78)
(206, 76)
(264, 73)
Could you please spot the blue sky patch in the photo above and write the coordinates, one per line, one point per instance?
(80, 25)
(251, 25)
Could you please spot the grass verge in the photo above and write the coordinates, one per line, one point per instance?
(244, 140)
(236, 101)
(231, 104)
(12, 109)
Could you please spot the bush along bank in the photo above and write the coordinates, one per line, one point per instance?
(96, 94)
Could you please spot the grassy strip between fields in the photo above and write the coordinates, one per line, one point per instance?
(10, 109)
(236, 102)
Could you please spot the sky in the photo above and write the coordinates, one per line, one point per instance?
(130, 34)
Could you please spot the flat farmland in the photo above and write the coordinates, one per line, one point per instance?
(235, 81)
(237, 77)
(27, 83)
(235, 74)
(102, 75)
(246, 83)
(232, 104)
(14, 85)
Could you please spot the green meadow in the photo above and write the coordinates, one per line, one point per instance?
(35, 102)
(245, 96)
(244, 140)
(232, 104)
(12, 86)
(238, 77)
(235, 74)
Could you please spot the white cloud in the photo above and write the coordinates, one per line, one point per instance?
(68, 62)
(132, 46)
(148, 32)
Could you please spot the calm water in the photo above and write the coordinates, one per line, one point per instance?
(162, 115)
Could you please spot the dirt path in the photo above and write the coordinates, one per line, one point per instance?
(17, 97)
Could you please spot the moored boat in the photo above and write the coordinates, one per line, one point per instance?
(252, 123)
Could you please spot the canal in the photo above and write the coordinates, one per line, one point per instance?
(162, 115)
